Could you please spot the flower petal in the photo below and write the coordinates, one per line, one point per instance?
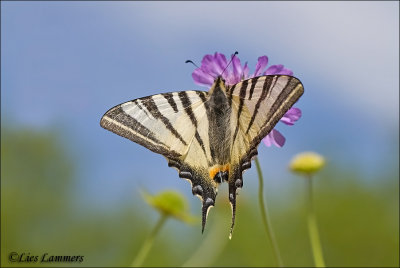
(220, 61)
(230, 80)
(274, 69)
(275, 138)
(278, 69)
(237, 70)
(267, 140)
(207, 62)
(213, 64)
(245, 71)
(202, 78)
(286, 72)
(261, 64)
(291, 116)
(211, 67)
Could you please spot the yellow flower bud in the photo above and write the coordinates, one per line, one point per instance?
(170, 203)
(307, 163)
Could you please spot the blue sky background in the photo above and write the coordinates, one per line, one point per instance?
(64, 64)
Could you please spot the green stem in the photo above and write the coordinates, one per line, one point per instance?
(146, 246)
(313, 229)
(264, 213)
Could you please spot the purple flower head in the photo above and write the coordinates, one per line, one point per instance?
(212, 66)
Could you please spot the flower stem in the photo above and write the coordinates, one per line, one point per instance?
(313, 229)
(146, 246)
(264, 213)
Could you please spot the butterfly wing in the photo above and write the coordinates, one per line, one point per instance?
(257, 106)
(174, 125)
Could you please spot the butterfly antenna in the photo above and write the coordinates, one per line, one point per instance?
(234, 54)
(189, 61)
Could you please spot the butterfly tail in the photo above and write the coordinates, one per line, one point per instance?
(235, 182)
(232, 199)
(207, 204)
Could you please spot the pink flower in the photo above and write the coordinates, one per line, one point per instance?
(213, 65)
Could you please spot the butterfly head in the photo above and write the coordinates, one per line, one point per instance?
(219, 84)
(219, 79)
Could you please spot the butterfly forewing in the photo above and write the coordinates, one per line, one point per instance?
(262, 104)
(159, 122)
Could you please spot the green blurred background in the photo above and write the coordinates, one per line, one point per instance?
(69, 187)
(358, 223)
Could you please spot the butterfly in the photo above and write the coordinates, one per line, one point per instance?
(209, 137)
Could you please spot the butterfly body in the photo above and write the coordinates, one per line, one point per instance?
(219, 114)
(209, 137)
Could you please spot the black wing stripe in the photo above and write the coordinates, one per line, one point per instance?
(230, 91)
(199, 139)
(266, 87)
(202, 95)
(253, 85)
(187, 106)
(204, 99)
(186, 103)
(242, 95)
(152, 108)
(170, 98)
(242, 92)
(140, 106)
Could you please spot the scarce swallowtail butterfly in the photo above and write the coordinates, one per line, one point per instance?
(209, 137)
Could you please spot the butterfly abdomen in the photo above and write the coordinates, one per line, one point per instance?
(219, 173)
(219, 114)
